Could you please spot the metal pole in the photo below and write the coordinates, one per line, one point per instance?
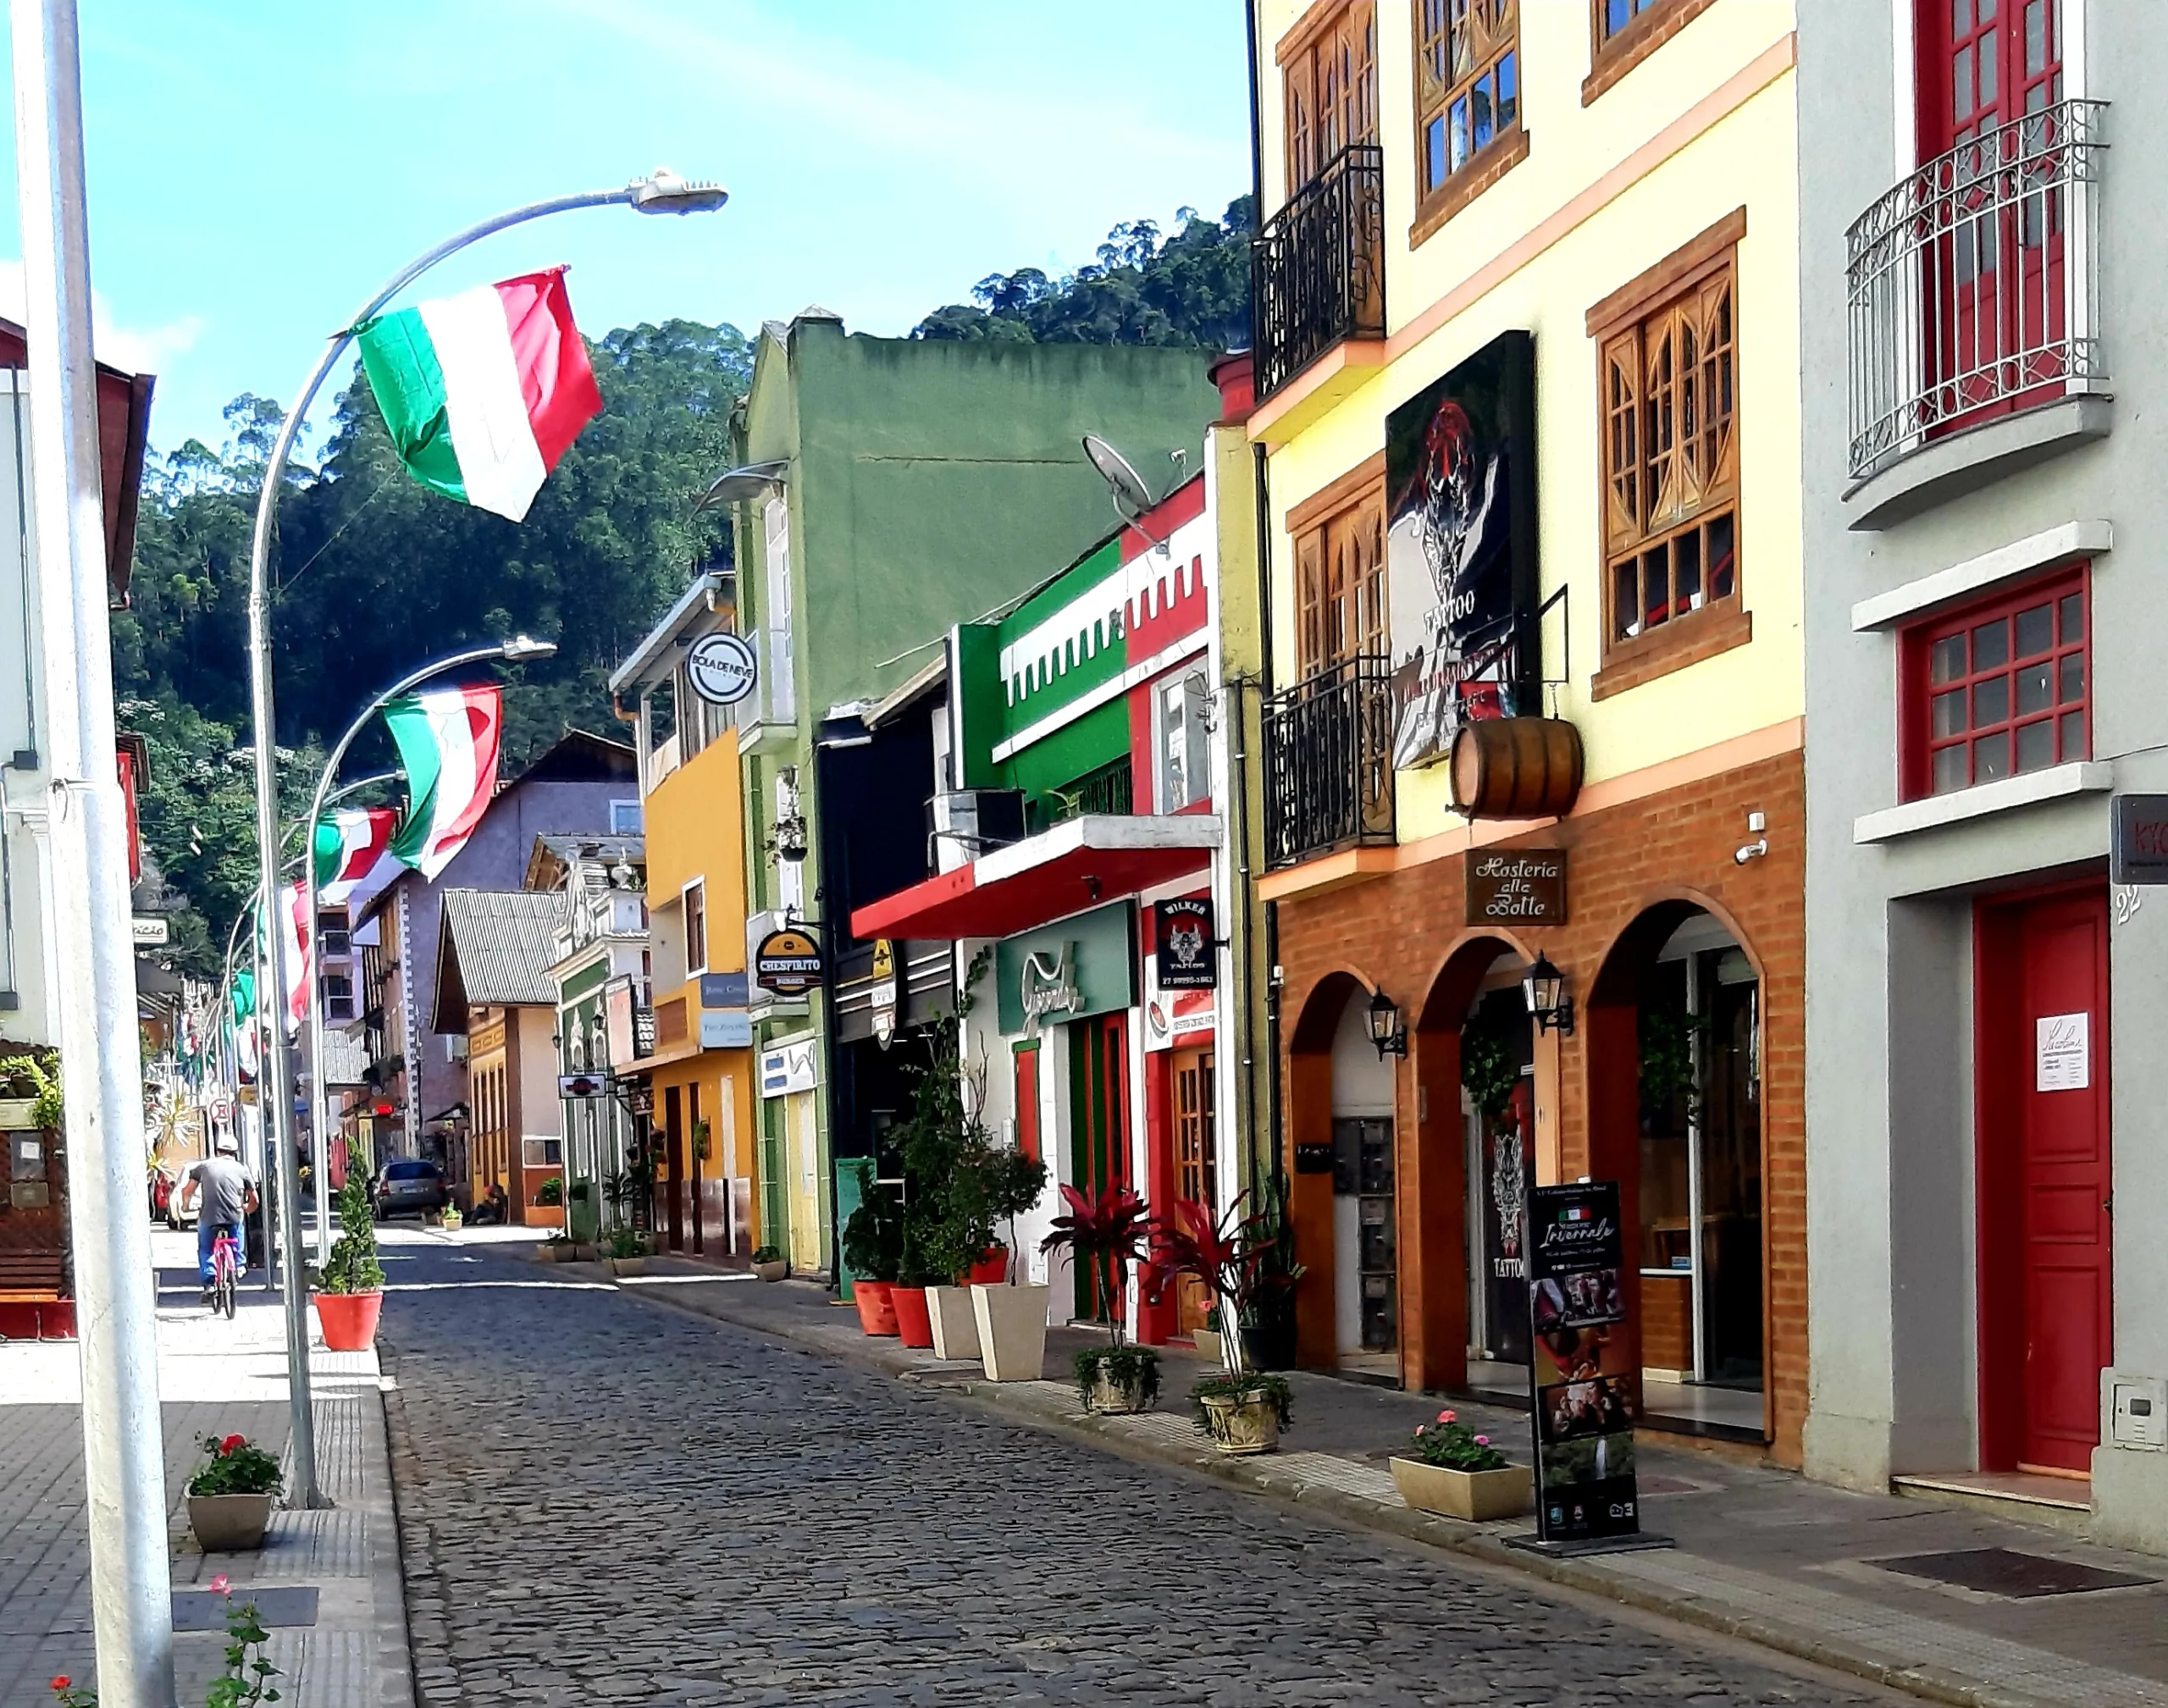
(87, 886)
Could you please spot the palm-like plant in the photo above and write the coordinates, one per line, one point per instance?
(1108, 1232)
(1237, 1258)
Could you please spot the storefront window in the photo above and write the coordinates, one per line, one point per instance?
(1185, 758)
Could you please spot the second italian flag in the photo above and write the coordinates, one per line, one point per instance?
(448, 740)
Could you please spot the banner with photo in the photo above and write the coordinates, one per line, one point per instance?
(1462, 588)
(1583, 1368)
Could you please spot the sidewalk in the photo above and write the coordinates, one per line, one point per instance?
(1761, 1555)
(326, 1582)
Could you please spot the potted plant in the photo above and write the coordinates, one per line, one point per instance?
(1011, 1316)
(769, 1263)
(350, 1287)
(1267, 1318)
(628, 1251)
(949, 1220)
(915, 1276)
(1241, 1408)
(873, 1251)
(232, 1494)
(1108, 1234)
(1459, 1473)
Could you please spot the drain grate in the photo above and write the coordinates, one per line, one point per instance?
(199, 1610)
(2005, 1572)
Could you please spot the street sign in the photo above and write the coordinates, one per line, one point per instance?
(151, 930)
(2137, 839)
(787, 962)
(722, 668)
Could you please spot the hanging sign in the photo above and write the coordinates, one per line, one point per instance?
(787, 962)
(579, 1085)
(722, 668)
(1188, 945)
(1581, 1369)
(1521, 886)
(881, 996)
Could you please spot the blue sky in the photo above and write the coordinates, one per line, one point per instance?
(257, 169)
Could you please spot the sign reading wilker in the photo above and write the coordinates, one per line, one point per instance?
(1522, 887)
(1187, 957)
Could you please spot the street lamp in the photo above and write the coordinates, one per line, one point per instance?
(661, 191)
(1543, 988)
(518, 647)
(1387, 1030)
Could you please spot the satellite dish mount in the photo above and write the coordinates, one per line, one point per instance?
(1132, 497)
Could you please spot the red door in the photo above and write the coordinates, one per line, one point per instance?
(2045, 1178)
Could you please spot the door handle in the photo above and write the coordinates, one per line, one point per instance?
(2108, 1205)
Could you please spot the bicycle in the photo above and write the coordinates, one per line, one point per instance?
(225, 1274)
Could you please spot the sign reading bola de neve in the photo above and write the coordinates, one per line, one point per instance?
(722, 668)
(1583, 1368)
(787, 962)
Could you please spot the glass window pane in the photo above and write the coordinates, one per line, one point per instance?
(1949, 713)
(2036, 38)
(1460, 134)
(1614, 17)
(1986, 71)
(1991, 702)
(1723, 565)
(1686, 570)
(1509, 90)
(1947, 661)
(2035, 689)
(1991, 757)
(1656, 586)
(1961, 18)
(2036, 631)
(1960, 86)
(2074, 742)
(2073, 677)
(1987, 11)
(1949, 769)
(1481, 95)
(2036, 745)
(1434, 149)
(1625, 616)
(1991, 644)
(2073, 618)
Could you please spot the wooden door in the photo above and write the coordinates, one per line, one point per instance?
(2045, 1180)
(1099, 1091)
(1196, 1164)
(1027, 1064)
(673, 1134)
(700, 1166)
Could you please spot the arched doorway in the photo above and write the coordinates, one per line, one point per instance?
(1674, 1026)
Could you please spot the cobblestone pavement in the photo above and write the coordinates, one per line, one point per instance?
(602, 1502)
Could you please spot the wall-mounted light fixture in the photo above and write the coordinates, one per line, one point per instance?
(1387, 1030)
(1544, 988)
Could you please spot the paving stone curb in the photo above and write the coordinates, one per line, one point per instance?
(1484, 1543)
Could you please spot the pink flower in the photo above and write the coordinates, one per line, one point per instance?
(1482, 1440)
(1444, 1416)
(220, 1586)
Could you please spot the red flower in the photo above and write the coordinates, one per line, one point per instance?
(61, 1684)
(232, 1442)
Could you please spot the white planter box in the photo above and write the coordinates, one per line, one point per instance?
(955, 1322)
(1012, 1323)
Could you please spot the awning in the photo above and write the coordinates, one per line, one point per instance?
(1075, 866)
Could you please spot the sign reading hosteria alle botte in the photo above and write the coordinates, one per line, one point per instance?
(1582, 1364)
(1525, 887)
(787, 962)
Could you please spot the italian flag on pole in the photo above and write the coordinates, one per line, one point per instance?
(353, 854)
(483, 391)
(294, 942)
(447, 740)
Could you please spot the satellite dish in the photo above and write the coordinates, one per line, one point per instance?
(1132, 497)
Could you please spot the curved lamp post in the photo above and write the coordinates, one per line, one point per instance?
(518, 647)
(659, 192)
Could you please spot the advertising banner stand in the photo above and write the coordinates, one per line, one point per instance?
(1581, 1381)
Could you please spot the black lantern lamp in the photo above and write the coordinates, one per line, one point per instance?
(1544, 988)
(1387, 1031)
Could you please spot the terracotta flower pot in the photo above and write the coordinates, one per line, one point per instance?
(770, 1272)
(876, 1315)
(348, 1320)
(955, 1323)
(229, 1523)
(990, 1270)
(1475, 1495)
(1246, 1424)
(913, 1324)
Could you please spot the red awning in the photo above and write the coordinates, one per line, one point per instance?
(1061, 871)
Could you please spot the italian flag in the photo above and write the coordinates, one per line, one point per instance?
(295, 939)
(447, 740)
(483, 391)
(353, 854)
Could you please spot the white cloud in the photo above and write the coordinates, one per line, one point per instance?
(136, 349)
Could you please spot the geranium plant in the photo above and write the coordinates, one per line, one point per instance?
(246, 1682)
(235, 1465)
(1451, 1443)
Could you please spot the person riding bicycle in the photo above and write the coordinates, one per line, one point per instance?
(227, 1194)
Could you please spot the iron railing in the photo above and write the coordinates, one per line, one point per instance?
(1317, 269)
(1328, 759)
(1972, 287)
(1109, 789)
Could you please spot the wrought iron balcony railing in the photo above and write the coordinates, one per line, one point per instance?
(1317, 269)
(1328, 757)
(1109, 789)
(1972, 286)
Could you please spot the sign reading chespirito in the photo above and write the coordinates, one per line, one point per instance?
(787, 962)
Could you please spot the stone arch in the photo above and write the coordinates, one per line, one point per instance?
(1309, 1192)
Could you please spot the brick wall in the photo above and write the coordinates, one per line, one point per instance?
(1398, 933)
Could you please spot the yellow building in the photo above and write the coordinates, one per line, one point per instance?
(690, 1046)
(1527, 378)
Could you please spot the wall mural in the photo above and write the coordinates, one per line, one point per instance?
(1460, 550)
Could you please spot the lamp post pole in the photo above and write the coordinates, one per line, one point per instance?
(518, 647)
(662, 192)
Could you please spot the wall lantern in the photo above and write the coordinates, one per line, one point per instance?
(1386, 1031)
(1544, 986)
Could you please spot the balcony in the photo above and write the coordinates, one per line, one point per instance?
(1109, 789)
(1973, 298)
(1328, 757)
(1317, 269)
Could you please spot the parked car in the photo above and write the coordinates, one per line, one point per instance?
(408, 1187)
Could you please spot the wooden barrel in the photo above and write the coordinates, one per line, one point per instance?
(1516, 767)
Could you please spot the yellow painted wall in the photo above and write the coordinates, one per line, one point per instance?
(694, 828)
(1716, 104)
(735, 1137)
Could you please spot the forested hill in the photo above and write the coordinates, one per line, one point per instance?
(374, 573)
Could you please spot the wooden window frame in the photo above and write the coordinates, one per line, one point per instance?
(1340, 518)
(1434, 98)
(1614, 53)
(1717, 623)
(1338, 38)
(1918, 742)
(693, 899)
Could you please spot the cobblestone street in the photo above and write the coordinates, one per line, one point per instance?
(604, 1500)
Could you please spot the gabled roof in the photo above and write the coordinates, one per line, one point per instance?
(580, 756)
(494, 949)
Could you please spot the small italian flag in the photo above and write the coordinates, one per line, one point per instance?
(294, 942)
(353, 854)
(483, 391)
(447, 740)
